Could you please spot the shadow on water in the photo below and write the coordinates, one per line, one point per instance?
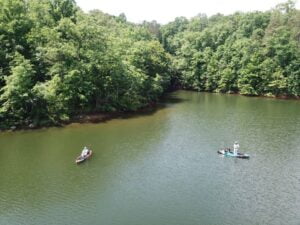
(166, 101)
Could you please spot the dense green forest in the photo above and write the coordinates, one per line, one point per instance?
(254, 53)
(57, 61)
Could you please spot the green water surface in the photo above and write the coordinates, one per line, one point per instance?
(159, 168)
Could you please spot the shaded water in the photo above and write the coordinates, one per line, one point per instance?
(161, 168)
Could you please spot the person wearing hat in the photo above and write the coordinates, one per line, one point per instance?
(236, 147)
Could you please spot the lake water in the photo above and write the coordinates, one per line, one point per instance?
(159, 168)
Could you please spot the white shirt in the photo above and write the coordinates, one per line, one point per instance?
(84, 152)
(235, 149)
(236, 146)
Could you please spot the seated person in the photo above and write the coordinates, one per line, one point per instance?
(84, 152)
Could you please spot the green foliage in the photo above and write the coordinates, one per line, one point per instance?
(249, 53)
(17, 97)
(57, 62)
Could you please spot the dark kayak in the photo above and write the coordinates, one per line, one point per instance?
(80, 159)
(230, 154)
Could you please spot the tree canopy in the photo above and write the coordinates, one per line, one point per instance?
(57, 61)
(249, 53)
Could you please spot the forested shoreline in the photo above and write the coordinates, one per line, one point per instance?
(255, 53)
(57, 62)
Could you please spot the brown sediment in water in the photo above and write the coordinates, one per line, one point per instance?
(284, 97)
(92, 118)
(98, 117)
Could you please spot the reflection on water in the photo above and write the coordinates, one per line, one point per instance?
(160, 167)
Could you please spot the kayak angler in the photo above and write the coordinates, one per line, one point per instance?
(236, 147)
(85, 154)
(235, 153)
